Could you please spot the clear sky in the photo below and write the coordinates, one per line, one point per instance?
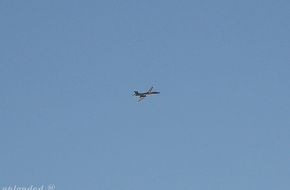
(68, 69)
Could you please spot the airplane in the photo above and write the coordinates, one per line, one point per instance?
(142, 95)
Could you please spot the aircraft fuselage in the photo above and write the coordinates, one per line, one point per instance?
(144, 94)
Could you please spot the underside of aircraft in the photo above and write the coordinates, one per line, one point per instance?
(142, 95)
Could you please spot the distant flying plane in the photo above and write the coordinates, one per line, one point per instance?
(142, 95)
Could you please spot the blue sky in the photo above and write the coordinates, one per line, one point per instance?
(68, 69)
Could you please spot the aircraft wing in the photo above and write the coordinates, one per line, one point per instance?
(150, 89)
